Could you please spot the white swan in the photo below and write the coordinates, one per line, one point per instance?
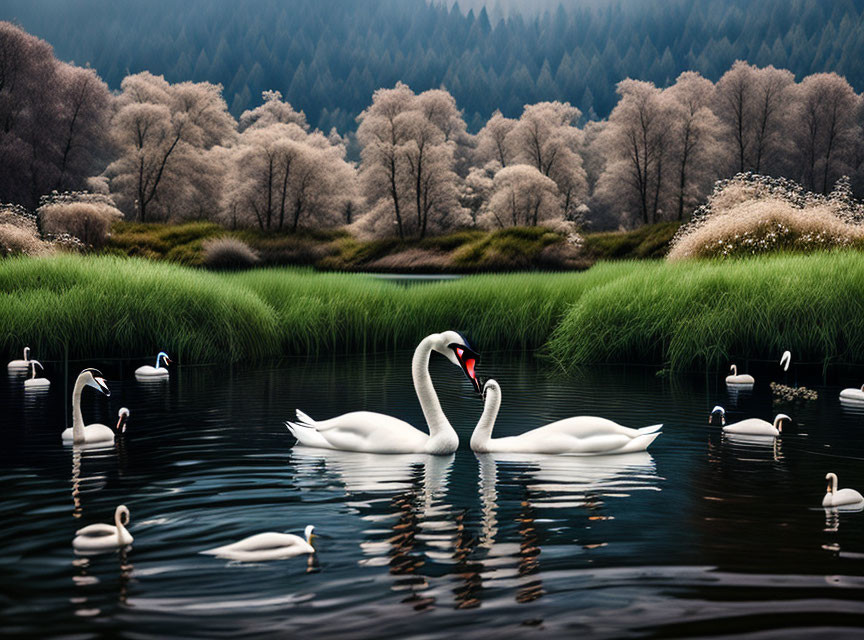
(786, 360)
(20, 365)
(266, 546)
(122, 417)
(33, 382)
(852, 395)
(581, 435)
(841, 497)
(371, 432)
(78, 433)
(741, 380)
(750, 426)
(155, 372)
(101, 537)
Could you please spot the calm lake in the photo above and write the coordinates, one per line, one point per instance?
(701, 536)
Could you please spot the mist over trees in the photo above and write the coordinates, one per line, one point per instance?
(170, 151)
(327, 57)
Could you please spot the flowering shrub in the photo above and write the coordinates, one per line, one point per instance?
(19, 234)
(752, 214)
(83, 215)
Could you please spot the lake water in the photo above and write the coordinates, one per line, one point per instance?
(701, 536)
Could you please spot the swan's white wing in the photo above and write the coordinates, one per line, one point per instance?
(751, 426)
(587, 427)
(97, 530)
(372, 432)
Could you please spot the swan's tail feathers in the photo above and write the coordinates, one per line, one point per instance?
(307, 436)
(654, 428)
(640, 443)
(304, 419)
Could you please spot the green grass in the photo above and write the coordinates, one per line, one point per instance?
(677, 315)
(650, 241)
(109, 306)
(701, 313)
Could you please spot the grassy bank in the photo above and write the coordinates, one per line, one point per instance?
(472, 251)
(115, 306)
(677, 315)
(693, 313)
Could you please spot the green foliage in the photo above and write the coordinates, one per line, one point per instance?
(175, 242)
(650, 241)
(100, 306)
(511, 248)
(695, 313)
(680, 315)
(327, 58)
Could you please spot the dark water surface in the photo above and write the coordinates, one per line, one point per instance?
(701, 537)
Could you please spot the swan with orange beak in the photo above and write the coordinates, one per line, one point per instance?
(371, 432)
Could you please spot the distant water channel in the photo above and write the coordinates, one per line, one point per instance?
(701, 536)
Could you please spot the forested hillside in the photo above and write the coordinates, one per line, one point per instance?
(327, 57)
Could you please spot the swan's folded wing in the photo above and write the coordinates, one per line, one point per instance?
(97, 530)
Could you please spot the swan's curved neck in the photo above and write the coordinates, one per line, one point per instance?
(483, 431)
(118, 522)
(833, 483)
(439, 426)
(77, 418)
(734, 370)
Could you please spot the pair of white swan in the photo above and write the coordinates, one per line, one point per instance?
(369, 432)
(750, 426)
(79, 434)
(157, 372)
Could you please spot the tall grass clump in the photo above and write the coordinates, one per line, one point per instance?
(321, 312)
(226, 253)
(100, 306)
(701, 313)
(752, 215)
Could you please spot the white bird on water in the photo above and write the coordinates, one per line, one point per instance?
(91, 433)
(266, 546)
(158, 371)
(852, 395)
(20, 365)
(580, 435)
(740, 380)
(102, 537)
(371, 432)
(840, 497)
(750, 426)
(33, 382)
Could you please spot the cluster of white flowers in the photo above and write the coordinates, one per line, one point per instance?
(70, 197)
(752, 214)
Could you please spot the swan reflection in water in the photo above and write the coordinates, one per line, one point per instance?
(86, 484)
(89, 591)
(413, 529)
(402, 498)
(547, 482)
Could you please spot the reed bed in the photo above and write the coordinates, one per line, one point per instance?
(679, 315)
(701, 313)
